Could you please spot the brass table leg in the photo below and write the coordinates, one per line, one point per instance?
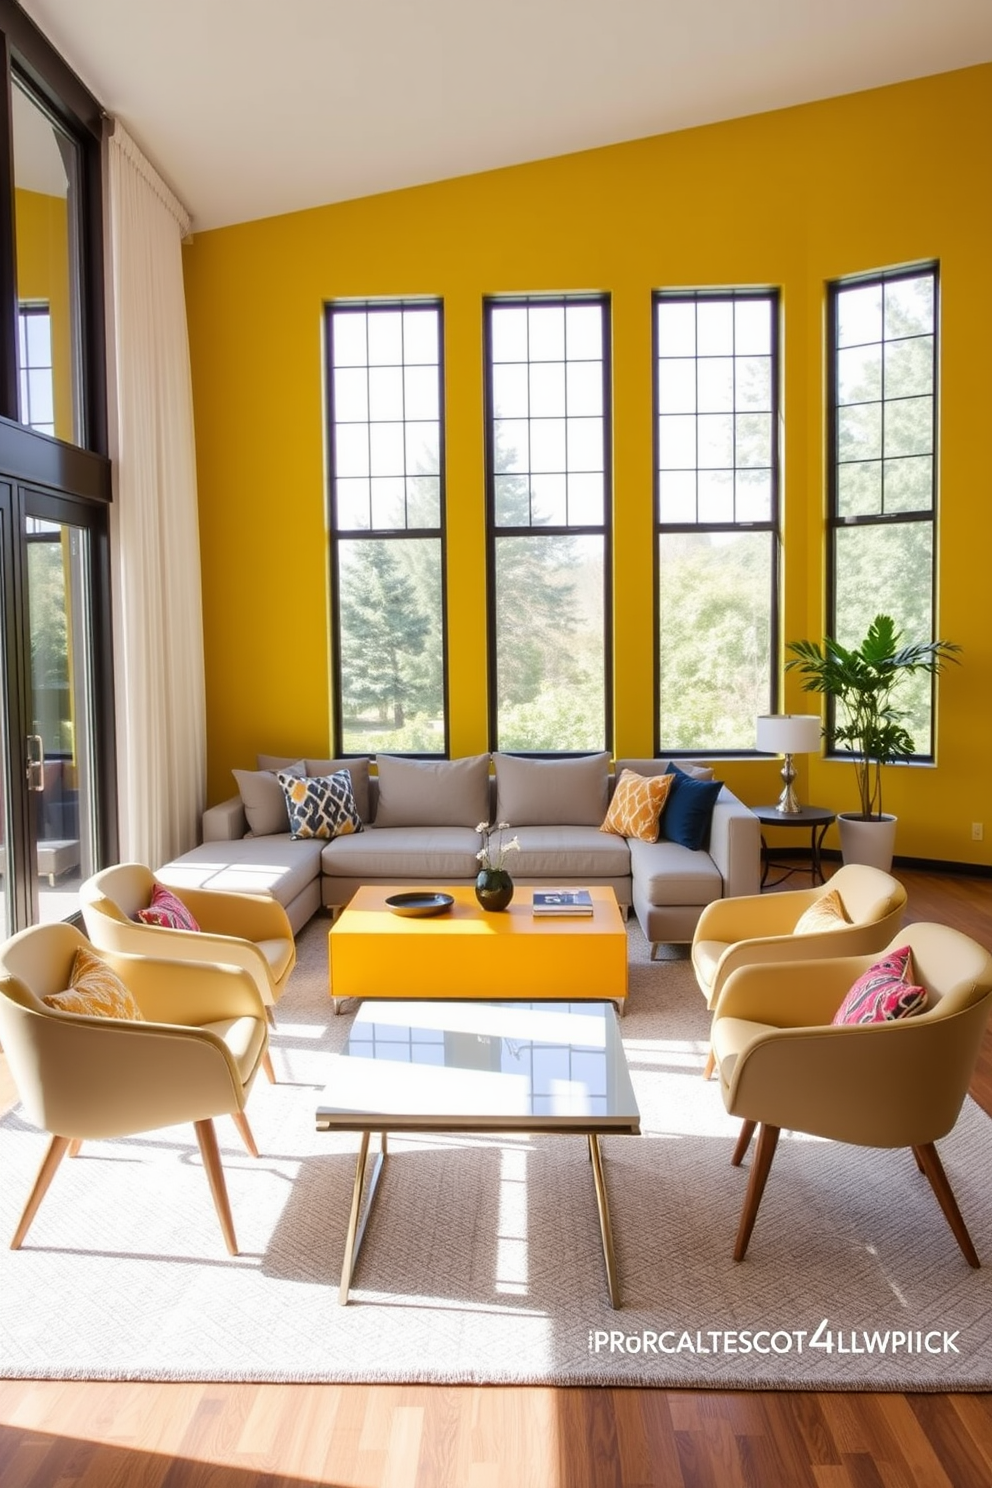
(357, 1219)
(604, 1220)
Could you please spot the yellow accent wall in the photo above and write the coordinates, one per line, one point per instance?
(42, 239)
(792, 198)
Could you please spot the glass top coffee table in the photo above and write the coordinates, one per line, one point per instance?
(447, 1066)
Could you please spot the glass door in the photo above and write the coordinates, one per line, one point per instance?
(11, 830)
(52, 653)
(60, 759)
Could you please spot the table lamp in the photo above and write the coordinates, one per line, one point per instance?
(788, 734)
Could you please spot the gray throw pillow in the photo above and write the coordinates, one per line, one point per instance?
(663, 767)
(357, 767)
(552, 793)
(263, 799)
(432, 793)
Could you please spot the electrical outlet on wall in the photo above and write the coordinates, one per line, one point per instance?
(977, 831)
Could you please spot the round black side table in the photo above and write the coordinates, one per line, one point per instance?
(815, 818)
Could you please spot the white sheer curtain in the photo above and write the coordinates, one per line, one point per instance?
(161, 727)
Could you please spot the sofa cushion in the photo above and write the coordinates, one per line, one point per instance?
(551, 793)
(273, 865)
(664, 767)
(428, 855)
(263, 799)
(432, 793)
(557, 854)
(668, 873)
(357, 767)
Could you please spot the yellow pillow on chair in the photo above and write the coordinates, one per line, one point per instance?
(825, 913)
(95, 990)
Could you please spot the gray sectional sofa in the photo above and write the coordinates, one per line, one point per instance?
(420, 820)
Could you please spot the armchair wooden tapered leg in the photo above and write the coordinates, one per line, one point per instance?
(57, 1149)
(932, 1166)
(267, 1067)
(710, 1065)
(207, 1138)
(767, 1142)
(241, 1122)
(743, 1142)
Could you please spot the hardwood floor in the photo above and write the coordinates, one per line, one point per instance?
(64, 1434)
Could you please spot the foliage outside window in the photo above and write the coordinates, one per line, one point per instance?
(716, 484)
(882, 472)
(548, 466)
(387, 526)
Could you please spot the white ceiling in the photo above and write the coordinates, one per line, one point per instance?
(253, 107)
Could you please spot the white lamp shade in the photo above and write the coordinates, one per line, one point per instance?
(789, 733)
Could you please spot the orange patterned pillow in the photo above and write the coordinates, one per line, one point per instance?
(95, 990)
(636, 806)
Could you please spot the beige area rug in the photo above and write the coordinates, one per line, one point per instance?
(483, 1260)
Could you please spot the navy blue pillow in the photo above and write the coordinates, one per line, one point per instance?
(689, 810)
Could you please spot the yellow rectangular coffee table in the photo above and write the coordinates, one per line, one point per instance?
(466, 952)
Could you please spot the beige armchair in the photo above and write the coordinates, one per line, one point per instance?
(759, 928)
(247, 930)
(82, 1077)
(782, 1063)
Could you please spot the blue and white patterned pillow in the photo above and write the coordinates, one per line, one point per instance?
(320, 805)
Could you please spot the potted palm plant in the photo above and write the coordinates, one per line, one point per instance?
(865, 683)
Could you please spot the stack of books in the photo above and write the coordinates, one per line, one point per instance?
(562, 902)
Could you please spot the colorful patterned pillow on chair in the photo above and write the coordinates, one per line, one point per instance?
(95, 990)
(167, 911)
(884, 992)
(635, 810)
(321, 805)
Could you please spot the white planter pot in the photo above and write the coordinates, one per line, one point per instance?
(872, 842)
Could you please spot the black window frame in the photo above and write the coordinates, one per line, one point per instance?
(773, 525)
(338, 534)
(57, 91)
(835, 521)
(603, 300)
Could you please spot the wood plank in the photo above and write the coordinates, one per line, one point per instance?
(884, 1427)
(975, 1414)
(588, 1454)
(959, 1454)
(659, 1433)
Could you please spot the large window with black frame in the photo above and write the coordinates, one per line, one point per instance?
(882, 417)
(717, 492)
(549, 501)
(386, 460)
